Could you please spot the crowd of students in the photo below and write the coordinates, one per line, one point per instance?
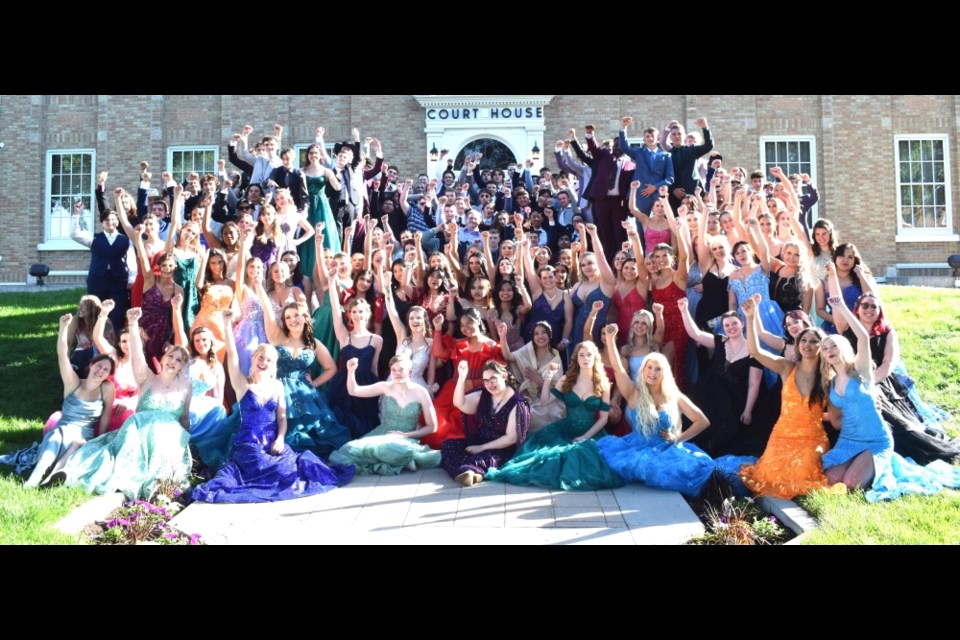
(641, 314)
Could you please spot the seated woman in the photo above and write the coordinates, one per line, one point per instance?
(731, 392)
(81, 330)
(790, 465)
(86, 404)
(863, 456)
(498, 425)
(262, 466)
(152, 446)
(311, 424)
(476, 349)
(126, 391)
(656, 452)
(794, 322)
(564, 455)
(911, 437)
(393, 446)
(533, 360)
(210, 433)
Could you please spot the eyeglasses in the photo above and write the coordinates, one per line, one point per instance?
(869, 305)
(493, 379)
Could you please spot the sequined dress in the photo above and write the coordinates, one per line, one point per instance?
(311, 424)
(485, 427)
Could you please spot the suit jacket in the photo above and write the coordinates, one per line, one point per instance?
(605, 165)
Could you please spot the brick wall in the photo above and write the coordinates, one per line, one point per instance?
(854, 146)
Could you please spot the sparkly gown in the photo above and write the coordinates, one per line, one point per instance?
(319, 212)
(790, 465)
(254, 474)
(673, 330)
(215, 301)
(150, 447)
(250, 332)
(485, 426)
(361, 415)
(382, 453)
(581, 311)
(420, 359)
(771, 317)
(862, 430)
(450, 422)
(626, 307)
(721, 393)
(644, 456)
(156, 322)
(311, 424)
(209, 432)
(549, 459)
(268, 252)
(186, 277)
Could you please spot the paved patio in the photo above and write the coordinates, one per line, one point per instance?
(428, 507)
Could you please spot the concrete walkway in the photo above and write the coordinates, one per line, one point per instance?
(428, 507)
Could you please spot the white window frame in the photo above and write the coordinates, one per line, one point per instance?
(814, 215)
(193, 147)
(303, 146)
(64, 243)
(925, 234)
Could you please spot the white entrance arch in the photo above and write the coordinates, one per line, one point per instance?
(452, 122)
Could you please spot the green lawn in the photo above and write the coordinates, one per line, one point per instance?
(926, 319)
(31, 392)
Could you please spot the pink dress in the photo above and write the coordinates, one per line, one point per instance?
(652, 238)
(626, 307)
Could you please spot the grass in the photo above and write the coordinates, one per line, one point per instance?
(32, 390)
(926, 320)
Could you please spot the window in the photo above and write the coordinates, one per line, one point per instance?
(301, 150)
(183, 160)
(793, 154)
(923, 186)
(70, 178)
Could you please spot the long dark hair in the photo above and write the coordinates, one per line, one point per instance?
(499, 303)
(818, 397)
(307, 325)
(857, 261)
(500, 370)
(296, 274)
(211, 355)
(823, 223)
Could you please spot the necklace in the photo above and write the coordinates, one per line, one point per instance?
(498, 404)
(732, 356)
(552, 299)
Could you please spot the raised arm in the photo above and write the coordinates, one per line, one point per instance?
(122, 214)
(238, 379)
(374, 390)
(702, 338)
(639, 215)
(530, 270)
(770, 361)
(339, 329)
(398, 327)
(175, 217)
(607, 276)
(466, 404)
(682, 233)
(270, 321)
(863, 363)
(625, 385)
(141, 371)
(98, 340)
(69, 377)
(179, 334)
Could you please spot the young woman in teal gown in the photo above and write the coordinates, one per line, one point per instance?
(152, 446)
(311, 424)
(394, 445)
(318, 177)
(564, 455)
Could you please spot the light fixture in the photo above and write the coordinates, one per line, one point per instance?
(434, 153)
(535, 151)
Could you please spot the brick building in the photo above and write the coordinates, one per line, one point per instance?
(882, 163)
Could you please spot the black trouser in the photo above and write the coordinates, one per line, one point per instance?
(343, 213)
(107, 288)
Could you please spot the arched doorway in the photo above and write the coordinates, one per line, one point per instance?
(496, 155)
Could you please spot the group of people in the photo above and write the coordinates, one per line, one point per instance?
(643, 314)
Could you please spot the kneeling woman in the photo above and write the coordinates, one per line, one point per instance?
(564, 455)
(495, 423)
(863, 456)
(656, 452)
(262, 467)
(152, 446)
(393, 446)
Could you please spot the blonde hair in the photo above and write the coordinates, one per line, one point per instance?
(270, 350)
(804, 274)
(195, 245)
(648, 415)
(600, 381)
(847, 356)
(646, 315)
